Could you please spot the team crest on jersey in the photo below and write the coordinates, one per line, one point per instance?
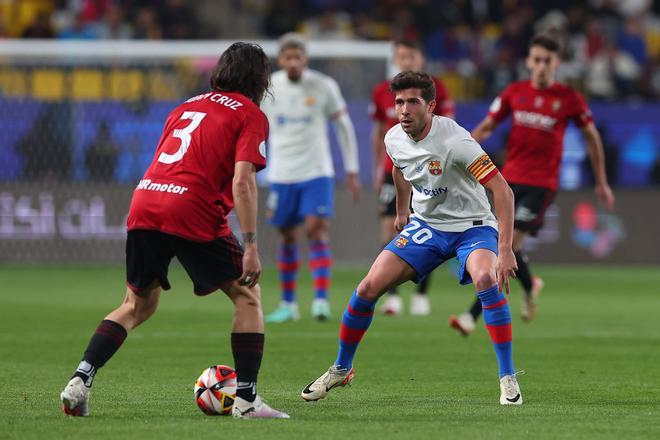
(310, 101)
(434, 167)
(556, 104)
(401, 242)
(538, 101)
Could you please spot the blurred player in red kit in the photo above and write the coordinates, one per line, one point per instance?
(540, 109)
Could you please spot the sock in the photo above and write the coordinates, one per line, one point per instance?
(354, 324)
(476, 309)
(497, 317)
(523, 274)
(105, 342)
(423, 286)
(288, 265)
(320, 262)
(248, 349)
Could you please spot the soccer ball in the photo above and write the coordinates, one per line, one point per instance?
(215, 390)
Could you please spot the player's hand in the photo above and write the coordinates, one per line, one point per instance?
(400, 222)
(251, 267)
(505, 267)
(605, 195)
(353, 184)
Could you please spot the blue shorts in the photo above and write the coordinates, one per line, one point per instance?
(290, 203)
(425, 248)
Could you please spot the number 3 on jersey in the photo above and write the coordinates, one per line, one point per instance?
(418, 237)
(184, 135)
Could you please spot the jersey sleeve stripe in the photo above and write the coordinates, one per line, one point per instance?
(488, 176)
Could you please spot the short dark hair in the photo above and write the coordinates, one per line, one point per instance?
(242, 68)
(292, 40)
(414, 80)
(410, 44)
(545, 41)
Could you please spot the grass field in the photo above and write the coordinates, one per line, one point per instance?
(592, 362)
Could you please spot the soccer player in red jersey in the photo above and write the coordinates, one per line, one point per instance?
(204, 166)
(408, 55)
(540, 109)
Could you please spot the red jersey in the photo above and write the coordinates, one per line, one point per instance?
(382, 109)
(187, 189)
(537, 132)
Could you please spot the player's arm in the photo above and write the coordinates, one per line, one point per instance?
(503, 199)
(349, 151)
(597, 158)
(378, 144)
(244, 189)
(403, 194)
(484, 129)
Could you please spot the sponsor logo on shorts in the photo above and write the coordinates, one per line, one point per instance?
(148, 185)
(434, 167)
(401, 242)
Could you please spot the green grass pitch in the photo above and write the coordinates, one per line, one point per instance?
(592, 362)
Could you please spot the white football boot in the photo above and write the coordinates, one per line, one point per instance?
(464, 323)
(420, 305)
(510, 391)
(392, 306)
(333, 378)
(320, 309)
(75, 398)
(258, 409)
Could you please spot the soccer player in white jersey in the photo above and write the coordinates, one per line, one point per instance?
(301, 171)
(448, 173)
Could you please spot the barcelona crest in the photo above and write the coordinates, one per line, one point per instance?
(401, 242)
(434, 167)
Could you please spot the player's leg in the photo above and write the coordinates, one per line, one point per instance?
(392, 304)
(217, 265)
(147, 258)
(316, 205)
(412, 255)
(478, 266)
(247, 345)
(283, 207)
(386, 272)
(531, 205)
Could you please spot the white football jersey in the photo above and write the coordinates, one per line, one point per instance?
(298, 113)
(447, 170)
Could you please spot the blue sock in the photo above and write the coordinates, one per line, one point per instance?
(355, 322)
(497, 318)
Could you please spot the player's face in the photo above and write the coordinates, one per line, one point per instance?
(543, 65)
(413, 111)
(407, 58)
(293, 61)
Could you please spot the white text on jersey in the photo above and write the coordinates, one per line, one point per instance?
(218, 98)
(148, 185)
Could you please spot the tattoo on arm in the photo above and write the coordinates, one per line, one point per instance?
(249, 237)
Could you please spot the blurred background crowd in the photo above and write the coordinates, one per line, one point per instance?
(611, 47)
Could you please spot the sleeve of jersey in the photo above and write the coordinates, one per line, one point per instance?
(335, 104)
(483, 169)
(583, 115)
(500, 107)
(251, 143)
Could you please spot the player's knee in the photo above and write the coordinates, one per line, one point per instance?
(247, 297)
(367, 289)
(483, 279)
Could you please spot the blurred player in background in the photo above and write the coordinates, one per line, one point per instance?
(452, 218)
(301, 172)
(408, 56)
(540, 108)
(205, 164)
